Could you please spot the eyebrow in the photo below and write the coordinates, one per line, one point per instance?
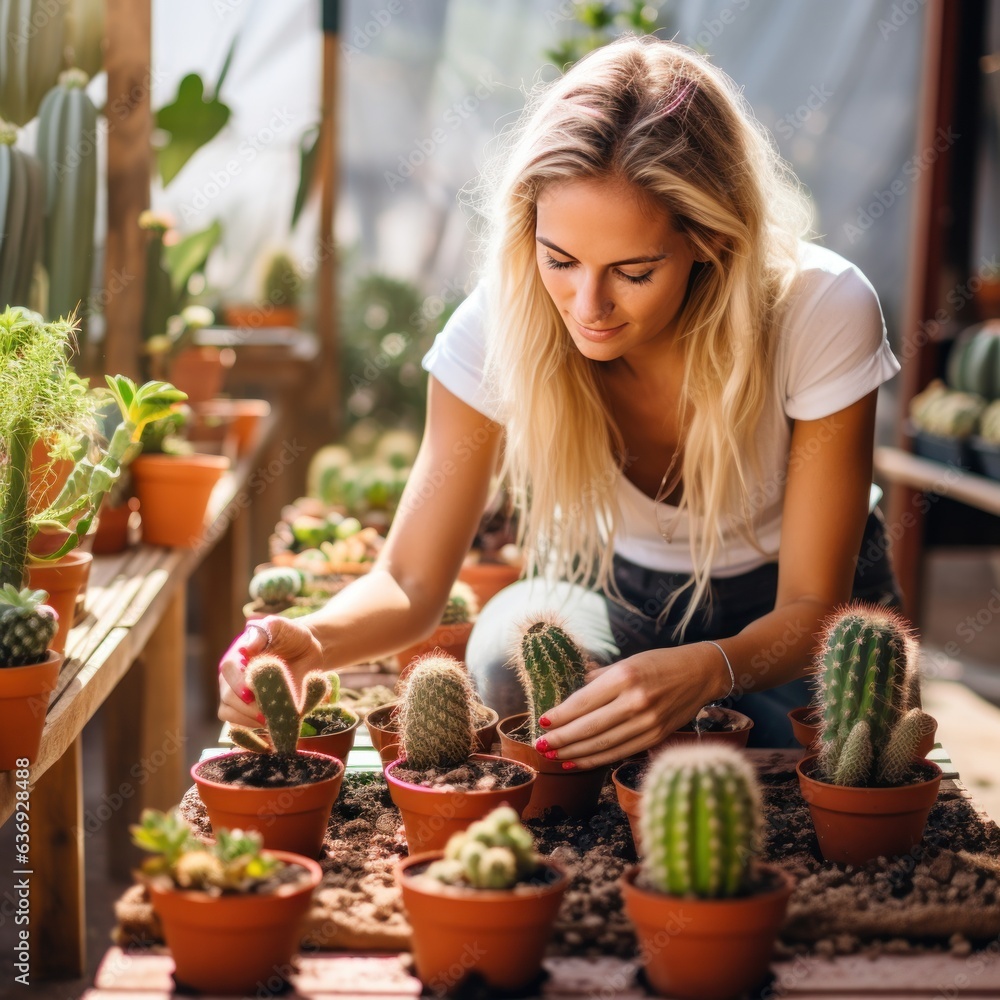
(617, 263)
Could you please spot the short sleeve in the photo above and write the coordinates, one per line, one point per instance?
(458, 355)
(834, 346)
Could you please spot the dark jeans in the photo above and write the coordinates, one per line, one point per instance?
(610, 632)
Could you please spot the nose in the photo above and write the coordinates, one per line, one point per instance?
(592, 303)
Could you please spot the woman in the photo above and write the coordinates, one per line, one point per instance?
(686, 398)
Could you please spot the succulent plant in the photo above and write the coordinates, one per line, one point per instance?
(234, 863)
(700, 820)
(946, 413)
(462, 605)
(437, 714)
(328, 711)
(27, 626)
(866, 690)
(282, 281)
(989, 423)
(495, 852)
(550, 665)
(276, 585)
(272, 685)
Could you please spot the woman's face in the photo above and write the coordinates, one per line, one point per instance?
(613, 265)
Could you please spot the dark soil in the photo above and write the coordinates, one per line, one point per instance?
(473, 775)
(713, 720)
(266, 770)
(328, 725)
(631, 775)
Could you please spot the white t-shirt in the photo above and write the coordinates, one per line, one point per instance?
(832, 350)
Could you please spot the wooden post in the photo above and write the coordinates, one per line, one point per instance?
(130, 126)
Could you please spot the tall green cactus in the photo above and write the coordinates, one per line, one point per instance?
(700, 821)
(268, 678)
(866, 682)
(436, 724)
(67, 148)
(550, 666)
(32, 40)
(22, 218)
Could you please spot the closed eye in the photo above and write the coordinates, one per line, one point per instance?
(634, 279)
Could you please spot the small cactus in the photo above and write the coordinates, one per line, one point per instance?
(700, 821)
(437, 715)
(989, 423)
(945, 412)
(462, 605)
(276, 585)
(27, 626)
(550, 666)
(282, 281)
(866, 689)
(271, 683)
(495, 852)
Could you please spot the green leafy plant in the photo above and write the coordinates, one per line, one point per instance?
(868, 688)
(550, 666)
(234, 863)
(437, 715)
(700, 820)
(495, 852)
(596, 23)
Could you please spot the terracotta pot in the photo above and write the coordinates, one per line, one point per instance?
(806, 725)
(706, 949)
(575, 791)
(377, 722)
(337, 745)
(432, 815)
(63, 580)
(235, 943)
(113, 528)
(263, 314)
(488, 579)
(245, 417)
(201, 372)
(174, 491)
(450, 639)
(509, 930)
(735, 738)
(47, 477)
(389, 753)
(293, 818)
(854, 825)
(24, 701)
(630, 800)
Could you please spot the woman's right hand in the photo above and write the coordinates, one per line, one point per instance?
(291, 639)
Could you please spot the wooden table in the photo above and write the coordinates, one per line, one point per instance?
(128, 650)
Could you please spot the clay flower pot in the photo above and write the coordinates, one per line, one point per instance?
(263, 314)
(629, 799)
(378, 723)
(292, 818)
(735, 736)
(174, 491)
(113, 526)
(63, 579)
(706, 949)
(450, 639)
(806, 725)
(575, 791)
(337, 745)
(488, 579)
(432, 815)
(245, 417)
(499, 934)
(854, 825)
(24, 701)
(201, 372)
(235, 943)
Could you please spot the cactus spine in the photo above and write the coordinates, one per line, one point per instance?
(22, 218)
(550, 666)
(276, 585)
(865, 684)
(437, 716)
(495, 852)
(268, 678)
(700, 821)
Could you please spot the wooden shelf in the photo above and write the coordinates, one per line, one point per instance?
(894, 465)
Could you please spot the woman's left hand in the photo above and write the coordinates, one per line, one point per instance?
(632, 705)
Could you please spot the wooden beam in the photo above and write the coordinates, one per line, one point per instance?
(127, 60)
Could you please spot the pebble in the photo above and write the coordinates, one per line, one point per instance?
(942, 867)
(959, 946)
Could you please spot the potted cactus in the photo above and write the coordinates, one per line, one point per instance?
(488, 886)
(330, 727)
(452, 633)
(705, 911)
(974, 360)
(439, 784)
(943, 422)
(550, 666)
(383, 725)
(231, 912)
(986, 444)
(279, 301)
(868, 792)
(269, 784)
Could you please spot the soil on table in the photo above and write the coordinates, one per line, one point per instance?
(473, 775)
(266, 770)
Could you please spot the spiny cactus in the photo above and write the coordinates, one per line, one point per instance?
(495, 852)
(700, 821)
(462, 605)
(436, 718)
(27, 626)
(989, 423)
(550, 666)
(276, 584)
(282, 281)
(271, 683)
(939, 410)
(866, 687)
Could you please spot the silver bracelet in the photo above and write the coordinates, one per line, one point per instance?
(732, 676)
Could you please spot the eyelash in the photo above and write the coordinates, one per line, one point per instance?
(638, 279)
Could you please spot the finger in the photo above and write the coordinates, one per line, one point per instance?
(614, 754)
(587, 728)
(232, 666)
(234, 709)
(591, 696)
(607, 740)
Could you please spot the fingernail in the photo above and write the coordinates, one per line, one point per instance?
(245, 663)
(544, 722)
(552, 754)
(247, 695)
(568, 765)
(260, 718)
(541, 744)
(244, 652)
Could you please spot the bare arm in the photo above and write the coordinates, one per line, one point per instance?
(401, 600)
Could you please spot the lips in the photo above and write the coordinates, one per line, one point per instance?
(590, 333)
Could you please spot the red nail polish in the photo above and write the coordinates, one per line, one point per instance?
(544, 722)
(247, 695)
(552, 754)
(568, 765)
(244, 652)
(260, 718)
(541, 744)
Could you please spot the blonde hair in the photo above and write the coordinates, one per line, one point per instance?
(658, 116)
